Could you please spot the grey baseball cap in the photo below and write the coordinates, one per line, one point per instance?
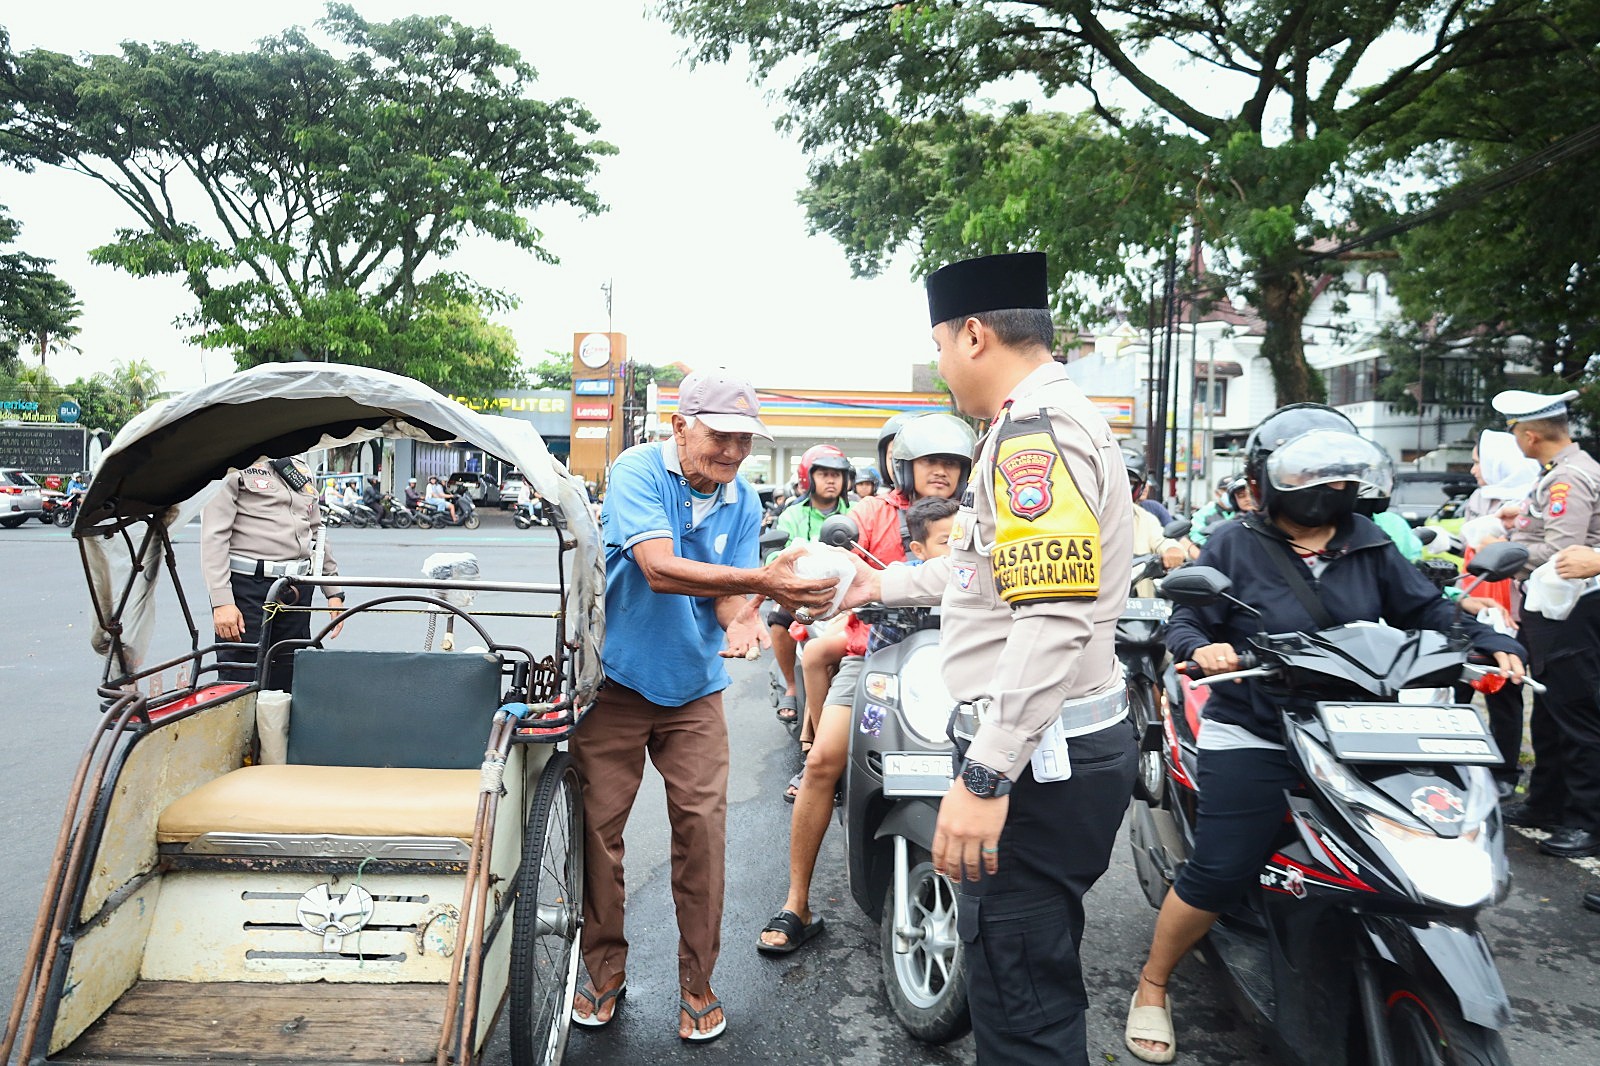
(725, 403)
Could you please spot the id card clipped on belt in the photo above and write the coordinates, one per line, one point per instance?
(1051, 761)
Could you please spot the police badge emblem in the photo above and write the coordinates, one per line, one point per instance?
(1027, 475)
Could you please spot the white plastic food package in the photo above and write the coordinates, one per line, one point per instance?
(820, 561)
(1552, 595)
(1477, 532)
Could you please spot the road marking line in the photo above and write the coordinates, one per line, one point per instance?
(1589, 863)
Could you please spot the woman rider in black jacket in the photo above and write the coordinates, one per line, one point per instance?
(1358, 575)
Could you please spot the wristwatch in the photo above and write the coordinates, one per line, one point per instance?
(984, 782)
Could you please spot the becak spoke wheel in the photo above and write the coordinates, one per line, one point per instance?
(547, 918)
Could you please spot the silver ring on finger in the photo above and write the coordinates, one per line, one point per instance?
(803, 616)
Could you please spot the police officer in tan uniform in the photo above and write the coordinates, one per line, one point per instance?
(264, 523)
(1030, 595)
(1562, 511)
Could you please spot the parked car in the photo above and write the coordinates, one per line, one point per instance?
(20, 498)
(510, 485)
(483, 489)
(1424, 494)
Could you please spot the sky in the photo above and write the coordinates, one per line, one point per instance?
(704, 245)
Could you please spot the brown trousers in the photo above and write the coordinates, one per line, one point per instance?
(689, 747)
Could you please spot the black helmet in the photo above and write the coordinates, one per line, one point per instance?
(1138, 467)
(1234, 485)
(1308, 463)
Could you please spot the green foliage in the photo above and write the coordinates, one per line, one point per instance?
(552, 372)
(329, 181)
(37, 309)
(106, 400)
(1523, 262)
(1263, 160)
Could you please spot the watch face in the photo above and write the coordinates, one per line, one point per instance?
(979, 779)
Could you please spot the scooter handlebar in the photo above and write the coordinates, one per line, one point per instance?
(1247, 661)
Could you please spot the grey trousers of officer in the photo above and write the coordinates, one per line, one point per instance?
(1023, 926)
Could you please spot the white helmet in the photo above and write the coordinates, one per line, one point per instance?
(935, 434)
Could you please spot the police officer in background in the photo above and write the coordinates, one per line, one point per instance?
(1562, 511)
(264, 523)
(1028, 639)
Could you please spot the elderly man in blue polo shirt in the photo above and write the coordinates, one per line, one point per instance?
(682, 584)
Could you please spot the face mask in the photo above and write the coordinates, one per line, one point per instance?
(1320, 505)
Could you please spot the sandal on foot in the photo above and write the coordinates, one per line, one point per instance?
(789, 924)
(697, 1036)
(788, 709)
(793, 788)
(1154, 1024)
(592, 1020)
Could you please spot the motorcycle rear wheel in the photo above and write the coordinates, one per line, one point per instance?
(62, 518)
(358, 519)
(402, 520)
(1425, 1028)
(1150, 784)
(928, 986)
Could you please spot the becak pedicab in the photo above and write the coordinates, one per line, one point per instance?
(361, 879)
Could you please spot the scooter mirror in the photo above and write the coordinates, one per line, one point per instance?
(1497, 561)
(1427, 534)
(838, 531)
(1176, 529)
(1194, 586)
(773, 540)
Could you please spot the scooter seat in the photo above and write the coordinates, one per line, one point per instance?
(358, 801)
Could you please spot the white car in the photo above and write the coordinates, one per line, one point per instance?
(20, 498)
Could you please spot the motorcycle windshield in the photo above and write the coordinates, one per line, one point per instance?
(1325, 456)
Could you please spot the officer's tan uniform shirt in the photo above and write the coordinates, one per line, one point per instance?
(1562, 510)
(1045, 526)
(1147, 540)
(256, 515)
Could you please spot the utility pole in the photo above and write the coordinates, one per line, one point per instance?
(605, 287)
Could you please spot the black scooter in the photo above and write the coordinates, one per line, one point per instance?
(1362, 943)
(466, 514)
(1141, 648)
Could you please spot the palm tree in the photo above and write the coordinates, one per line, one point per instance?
(134, 380)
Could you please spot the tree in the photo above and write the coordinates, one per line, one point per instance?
(553, 372)
(1258, 155)
(1517, 272)
(305, 195)
(37, 309)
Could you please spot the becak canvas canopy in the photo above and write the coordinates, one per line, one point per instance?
(165, 463)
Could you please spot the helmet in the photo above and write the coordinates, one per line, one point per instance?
(823, 457)
(932, 434)
(1224, 481)
(1308, 464)
(886, 436)
(1235, 485)
(869, 473)
(1138, 467)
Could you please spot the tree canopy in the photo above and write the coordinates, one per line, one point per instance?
(305, 195)
(1524, 262)
(37, 308)
(1249, 125)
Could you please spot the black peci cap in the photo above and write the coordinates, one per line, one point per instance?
(989, 283)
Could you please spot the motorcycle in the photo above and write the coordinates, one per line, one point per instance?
(1362, 942)
(530, 514)
(1141, 632)
(60, 508)
(900, 765)
(388, 515)
(466, 515)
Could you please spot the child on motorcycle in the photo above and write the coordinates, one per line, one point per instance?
(929, 521)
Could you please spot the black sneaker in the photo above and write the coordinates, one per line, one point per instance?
(1529, 817)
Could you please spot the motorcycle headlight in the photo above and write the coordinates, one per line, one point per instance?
(924, 699)
(1454, 871)
(1336, 778)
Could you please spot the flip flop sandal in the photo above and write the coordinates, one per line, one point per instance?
(703, 1037)
(792, 789)
(1150, 1023)
(789, 924)
(593, 1020)
(790, 704)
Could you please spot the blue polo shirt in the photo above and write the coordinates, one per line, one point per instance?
(664, 646)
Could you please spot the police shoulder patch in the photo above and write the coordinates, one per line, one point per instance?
(1047, 539)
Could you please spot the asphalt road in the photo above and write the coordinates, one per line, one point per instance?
(823, 1005)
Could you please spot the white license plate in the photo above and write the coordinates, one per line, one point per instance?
(917, 773)
(1392, 719)
(1147, 607)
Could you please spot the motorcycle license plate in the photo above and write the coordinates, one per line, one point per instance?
(917, 773)
(1147, 607)
(1410, 733)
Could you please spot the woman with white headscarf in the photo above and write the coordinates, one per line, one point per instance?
(1505, 477)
